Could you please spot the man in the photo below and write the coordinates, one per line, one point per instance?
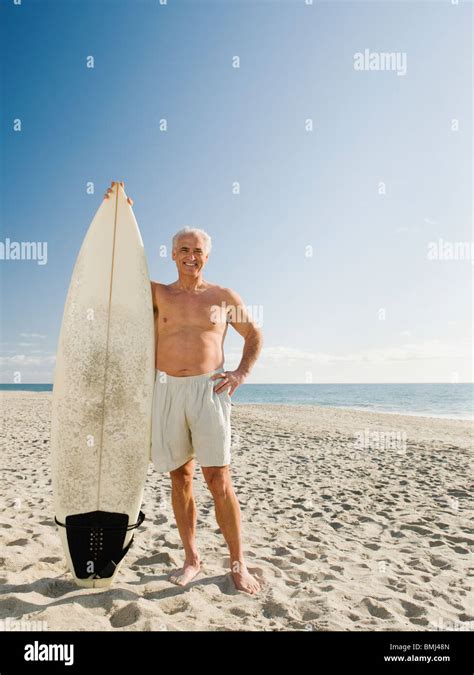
(191, 403)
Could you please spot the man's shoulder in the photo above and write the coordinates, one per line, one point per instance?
(223, 292)
(156, 286)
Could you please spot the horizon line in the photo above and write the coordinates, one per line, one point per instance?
(19, 384)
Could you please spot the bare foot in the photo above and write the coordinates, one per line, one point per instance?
(187, 573)
(243, 580)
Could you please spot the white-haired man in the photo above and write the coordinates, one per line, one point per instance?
(191, 403)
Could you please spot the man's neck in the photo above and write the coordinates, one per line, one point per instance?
(187, 284)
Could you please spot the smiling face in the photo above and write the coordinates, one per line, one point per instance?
(190, 254)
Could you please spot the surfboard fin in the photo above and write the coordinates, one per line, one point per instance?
(96, 542)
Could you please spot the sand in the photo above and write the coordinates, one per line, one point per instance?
(348, 530)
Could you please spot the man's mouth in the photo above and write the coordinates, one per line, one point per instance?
(190, 264)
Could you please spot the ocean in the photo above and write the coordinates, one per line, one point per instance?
(455, 401)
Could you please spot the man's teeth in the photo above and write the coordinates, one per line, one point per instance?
(190, 264)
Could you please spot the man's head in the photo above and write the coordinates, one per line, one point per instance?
(191, 248)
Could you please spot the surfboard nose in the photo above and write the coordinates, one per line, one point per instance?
(116, 187)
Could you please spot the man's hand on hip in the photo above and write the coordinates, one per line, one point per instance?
(229, 379)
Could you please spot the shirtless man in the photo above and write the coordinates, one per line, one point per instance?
(191, 403)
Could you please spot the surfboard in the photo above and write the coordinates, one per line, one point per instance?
(102, 396)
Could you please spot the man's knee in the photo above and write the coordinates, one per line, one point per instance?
(182, 477)
(218, 481)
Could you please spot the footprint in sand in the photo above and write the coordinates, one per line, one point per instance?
(337, 568)
(18, 542)
(440, 562)
(373, 547)
(126, 616)
(163, 558)
(160, 520)
(174, 607)
(354, 617)
(376, 609)
(50, 559)
(311, 556)
(411, 610)
(460, 549)
(239, 612)
(272, 609)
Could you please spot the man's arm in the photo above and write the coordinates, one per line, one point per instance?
(155, 306)
(239, 318)
(153, 286)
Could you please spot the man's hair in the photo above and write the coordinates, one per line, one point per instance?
(193, 230)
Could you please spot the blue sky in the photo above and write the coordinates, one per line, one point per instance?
(384, 172)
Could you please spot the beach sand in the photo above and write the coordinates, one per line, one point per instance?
(347, 529)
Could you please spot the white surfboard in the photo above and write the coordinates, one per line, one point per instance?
(102, 396)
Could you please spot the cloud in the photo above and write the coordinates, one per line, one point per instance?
(409, 351)
(23, 360)
(32, 335)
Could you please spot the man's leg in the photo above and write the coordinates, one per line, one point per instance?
(228, 518)
(184, 508)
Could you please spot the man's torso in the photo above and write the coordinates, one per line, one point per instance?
(189, 332)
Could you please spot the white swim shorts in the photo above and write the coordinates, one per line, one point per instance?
(189, 420)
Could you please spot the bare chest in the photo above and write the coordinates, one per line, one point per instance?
(184, 310)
